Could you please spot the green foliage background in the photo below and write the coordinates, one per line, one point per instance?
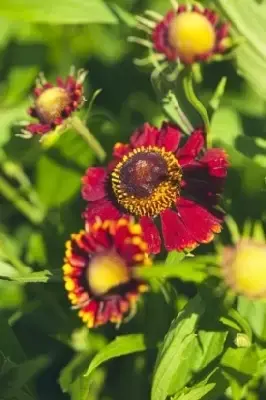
(214, 349)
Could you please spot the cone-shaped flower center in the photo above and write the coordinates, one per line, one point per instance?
(142, 173)
(106, 272)
(147, 180)
(51, 103)
(249, 268)
(192, 35)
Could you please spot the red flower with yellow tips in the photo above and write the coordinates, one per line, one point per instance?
(54, 103)
(165, 179)
(98, 270)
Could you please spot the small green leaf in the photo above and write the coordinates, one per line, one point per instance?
(59, 12)
(174, 351)
(121, 346)
(195, 393)
(31, 277)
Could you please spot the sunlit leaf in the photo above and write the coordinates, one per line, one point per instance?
(59, 12)
(178, 342)
(121, 346)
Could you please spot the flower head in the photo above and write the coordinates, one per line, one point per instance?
(98, 270)
(53, 104)
(171, 184)
(244, 268)
(186, 34)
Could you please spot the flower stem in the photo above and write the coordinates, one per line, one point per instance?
(84, 132)
(35, 215)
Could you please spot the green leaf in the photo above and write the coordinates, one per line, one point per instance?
(248, 19)
(59, 12)
(187, 271)
(211, 345)
(9, 343)
(121, 346)
(195, 393)
(226, 125)
(241, 363)
(20, 375)
(59, 171)
(31, 277)
(175, 348)
(254, 311)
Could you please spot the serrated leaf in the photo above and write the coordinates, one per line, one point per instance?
(121, 346)
(195, 393)
(175, 347)
(59, 12)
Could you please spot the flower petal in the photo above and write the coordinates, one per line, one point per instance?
(170, 136)
(217, 162)
(102, 209)
(191, 148)
(145, 136)
(93, 184)
(176, 236)
(151, 235)
(200, 222)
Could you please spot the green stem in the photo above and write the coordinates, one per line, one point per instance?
(84, 132)
(199, 107)
(35, 215)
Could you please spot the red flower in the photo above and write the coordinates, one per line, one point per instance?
(171, 188)
(55, 103)
(98, 270)
(188, 34)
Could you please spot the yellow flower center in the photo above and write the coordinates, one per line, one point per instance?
(147, 181)
(106, 272)
(51, 103)
(192, 35)
(249, 268)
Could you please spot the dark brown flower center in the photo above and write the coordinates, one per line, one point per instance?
(147, 180)
(142, 173)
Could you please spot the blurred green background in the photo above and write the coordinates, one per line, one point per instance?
(50, 36)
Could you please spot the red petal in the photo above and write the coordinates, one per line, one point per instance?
(200, 222)
(93, 184)
(145, 136)
(191, 148)
(151, 235)
(102, 209)
(120, 149)
(217, 162)
(176, 236)
(159, 37)
(40, 129)
(170, 136)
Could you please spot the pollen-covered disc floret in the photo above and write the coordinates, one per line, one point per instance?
(147, 180)
(165, 179)
(186, 34)
(244, 268)
(98, 270)
(53, 104)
